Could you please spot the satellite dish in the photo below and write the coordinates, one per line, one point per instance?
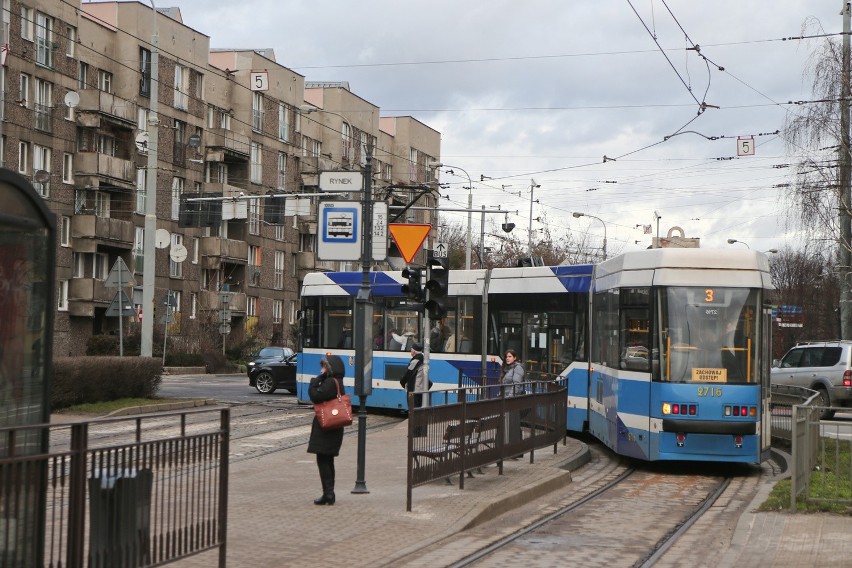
(72, 99)
(162, 238)
(194, 141)
(142, 141)
(42, 176)
(178, 253)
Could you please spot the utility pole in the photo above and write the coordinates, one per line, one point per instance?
(149, 248)
(845, 183)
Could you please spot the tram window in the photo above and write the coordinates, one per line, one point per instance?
(466, 333)
(635, 329)
(310, 323)
(402, 325)
(337, 324)
(605, 341)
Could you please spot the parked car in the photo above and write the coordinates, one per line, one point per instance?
(272, 368)
(823, 366)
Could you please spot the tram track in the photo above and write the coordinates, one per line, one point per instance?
(616, 513)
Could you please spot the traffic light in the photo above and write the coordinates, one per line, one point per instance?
(414, 290)
(437, 286)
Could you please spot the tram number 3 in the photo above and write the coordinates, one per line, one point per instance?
(709, 391)
(709, 296)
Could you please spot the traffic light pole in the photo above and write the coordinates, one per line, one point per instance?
(364, 325)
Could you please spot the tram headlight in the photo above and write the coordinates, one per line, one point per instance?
(667, 408)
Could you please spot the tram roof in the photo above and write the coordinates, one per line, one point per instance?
(685, 267)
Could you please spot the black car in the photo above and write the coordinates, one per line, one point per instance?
(272, 368)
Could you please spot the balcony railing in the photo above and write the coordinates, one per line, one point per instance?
(102, 165)
(112, 231)
(221, 141)
(95, 104)
(216, 250)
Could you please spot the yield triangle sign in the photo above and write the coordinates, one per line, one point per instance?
(119, 276)
(408, 238)
(120, 306)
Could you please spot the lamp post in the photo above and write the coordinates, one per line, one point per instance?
(733, 241)
(533, 185)
(149, 246)
(578, 214)
(469, 208)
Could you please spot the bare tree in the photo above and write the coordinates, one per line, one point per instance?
(819, 134)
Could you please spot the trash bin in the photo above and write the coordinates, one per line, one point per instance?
(120, 518)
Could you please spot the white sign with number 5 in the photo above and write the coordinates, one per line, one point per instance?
(259, 80)
(745, 146)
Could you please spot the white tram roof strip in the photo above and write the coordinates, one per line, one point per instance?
(685, 267)
(527, 279)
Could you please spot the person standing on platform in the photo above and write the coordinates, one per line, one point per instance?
(326, 443)
(512, 381)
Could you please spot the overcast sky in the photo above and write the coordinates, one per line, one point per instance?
(543, 89)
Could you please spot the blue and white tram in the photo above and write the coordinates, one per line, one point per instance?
(540, 312)
(679, 361)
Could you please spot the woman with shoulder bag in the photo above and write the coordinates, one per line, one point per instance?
(326, 443)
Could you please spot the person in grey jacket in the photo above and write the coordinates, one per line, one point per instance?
(326, 443)
(513, 374)
(414, 379)
(512, 381)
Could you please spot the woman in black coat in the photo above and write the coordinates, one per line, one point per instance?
(326, 443)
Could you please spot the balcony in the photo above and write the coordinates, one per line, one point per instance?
(310, 166)
(226, 146)
(89, 231)
(96, 106)
(216, 251)
(211, 301)
(86, 294)
(306, 260)
(102, 166)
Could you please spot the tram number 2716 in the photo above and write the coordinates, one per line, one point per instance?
(709, 391)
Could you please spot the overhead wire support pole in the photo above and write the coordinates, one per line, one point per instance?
(469, 208)
(845, 183)
(149, 248)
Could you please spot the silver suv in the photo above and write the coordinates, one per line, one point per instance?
(824, 366)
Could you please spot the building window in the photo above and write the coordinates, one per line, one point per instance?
(104, 81)
(78, 265)
(256, 163)
(277, 310)
(278, 283)
(44, 40)
(100, 266)
(279, 232)
(43, 105)
(105, 144)
(346, 136)
(363, 149)
(24, 90)
(102, 204)
(193, 305)
(141, 188)
(283, 123)
(251, 306)
(181, 87)
(196, 244)
(412, 165)
(291, 317)
(257, 112)
(68, 168)
(282, 171)
(145, 70)
(65, 231)
(70, 41)
(199, 84)
(27, 23)
(176, 268)
(179, 147)
(41, 162)
(139, 250)
(218, 118)
(62, 299)
(23, 157)
(293, 265)
(387, 172)
(83, 78)
(253, 214)
(177, 191)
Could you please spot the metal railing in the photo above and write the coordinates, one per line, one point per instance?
(467, 428)
(153, 496)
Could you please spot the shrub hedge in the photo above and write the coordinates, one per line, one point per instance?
(78, 380)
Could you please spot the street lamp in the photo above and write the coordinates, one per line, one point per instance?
(578, 214)
(533, 185)
(733, 241)
(149, 245)
(469, 208)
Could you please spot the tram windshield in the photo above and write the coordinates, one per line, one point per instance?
(708, 335)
